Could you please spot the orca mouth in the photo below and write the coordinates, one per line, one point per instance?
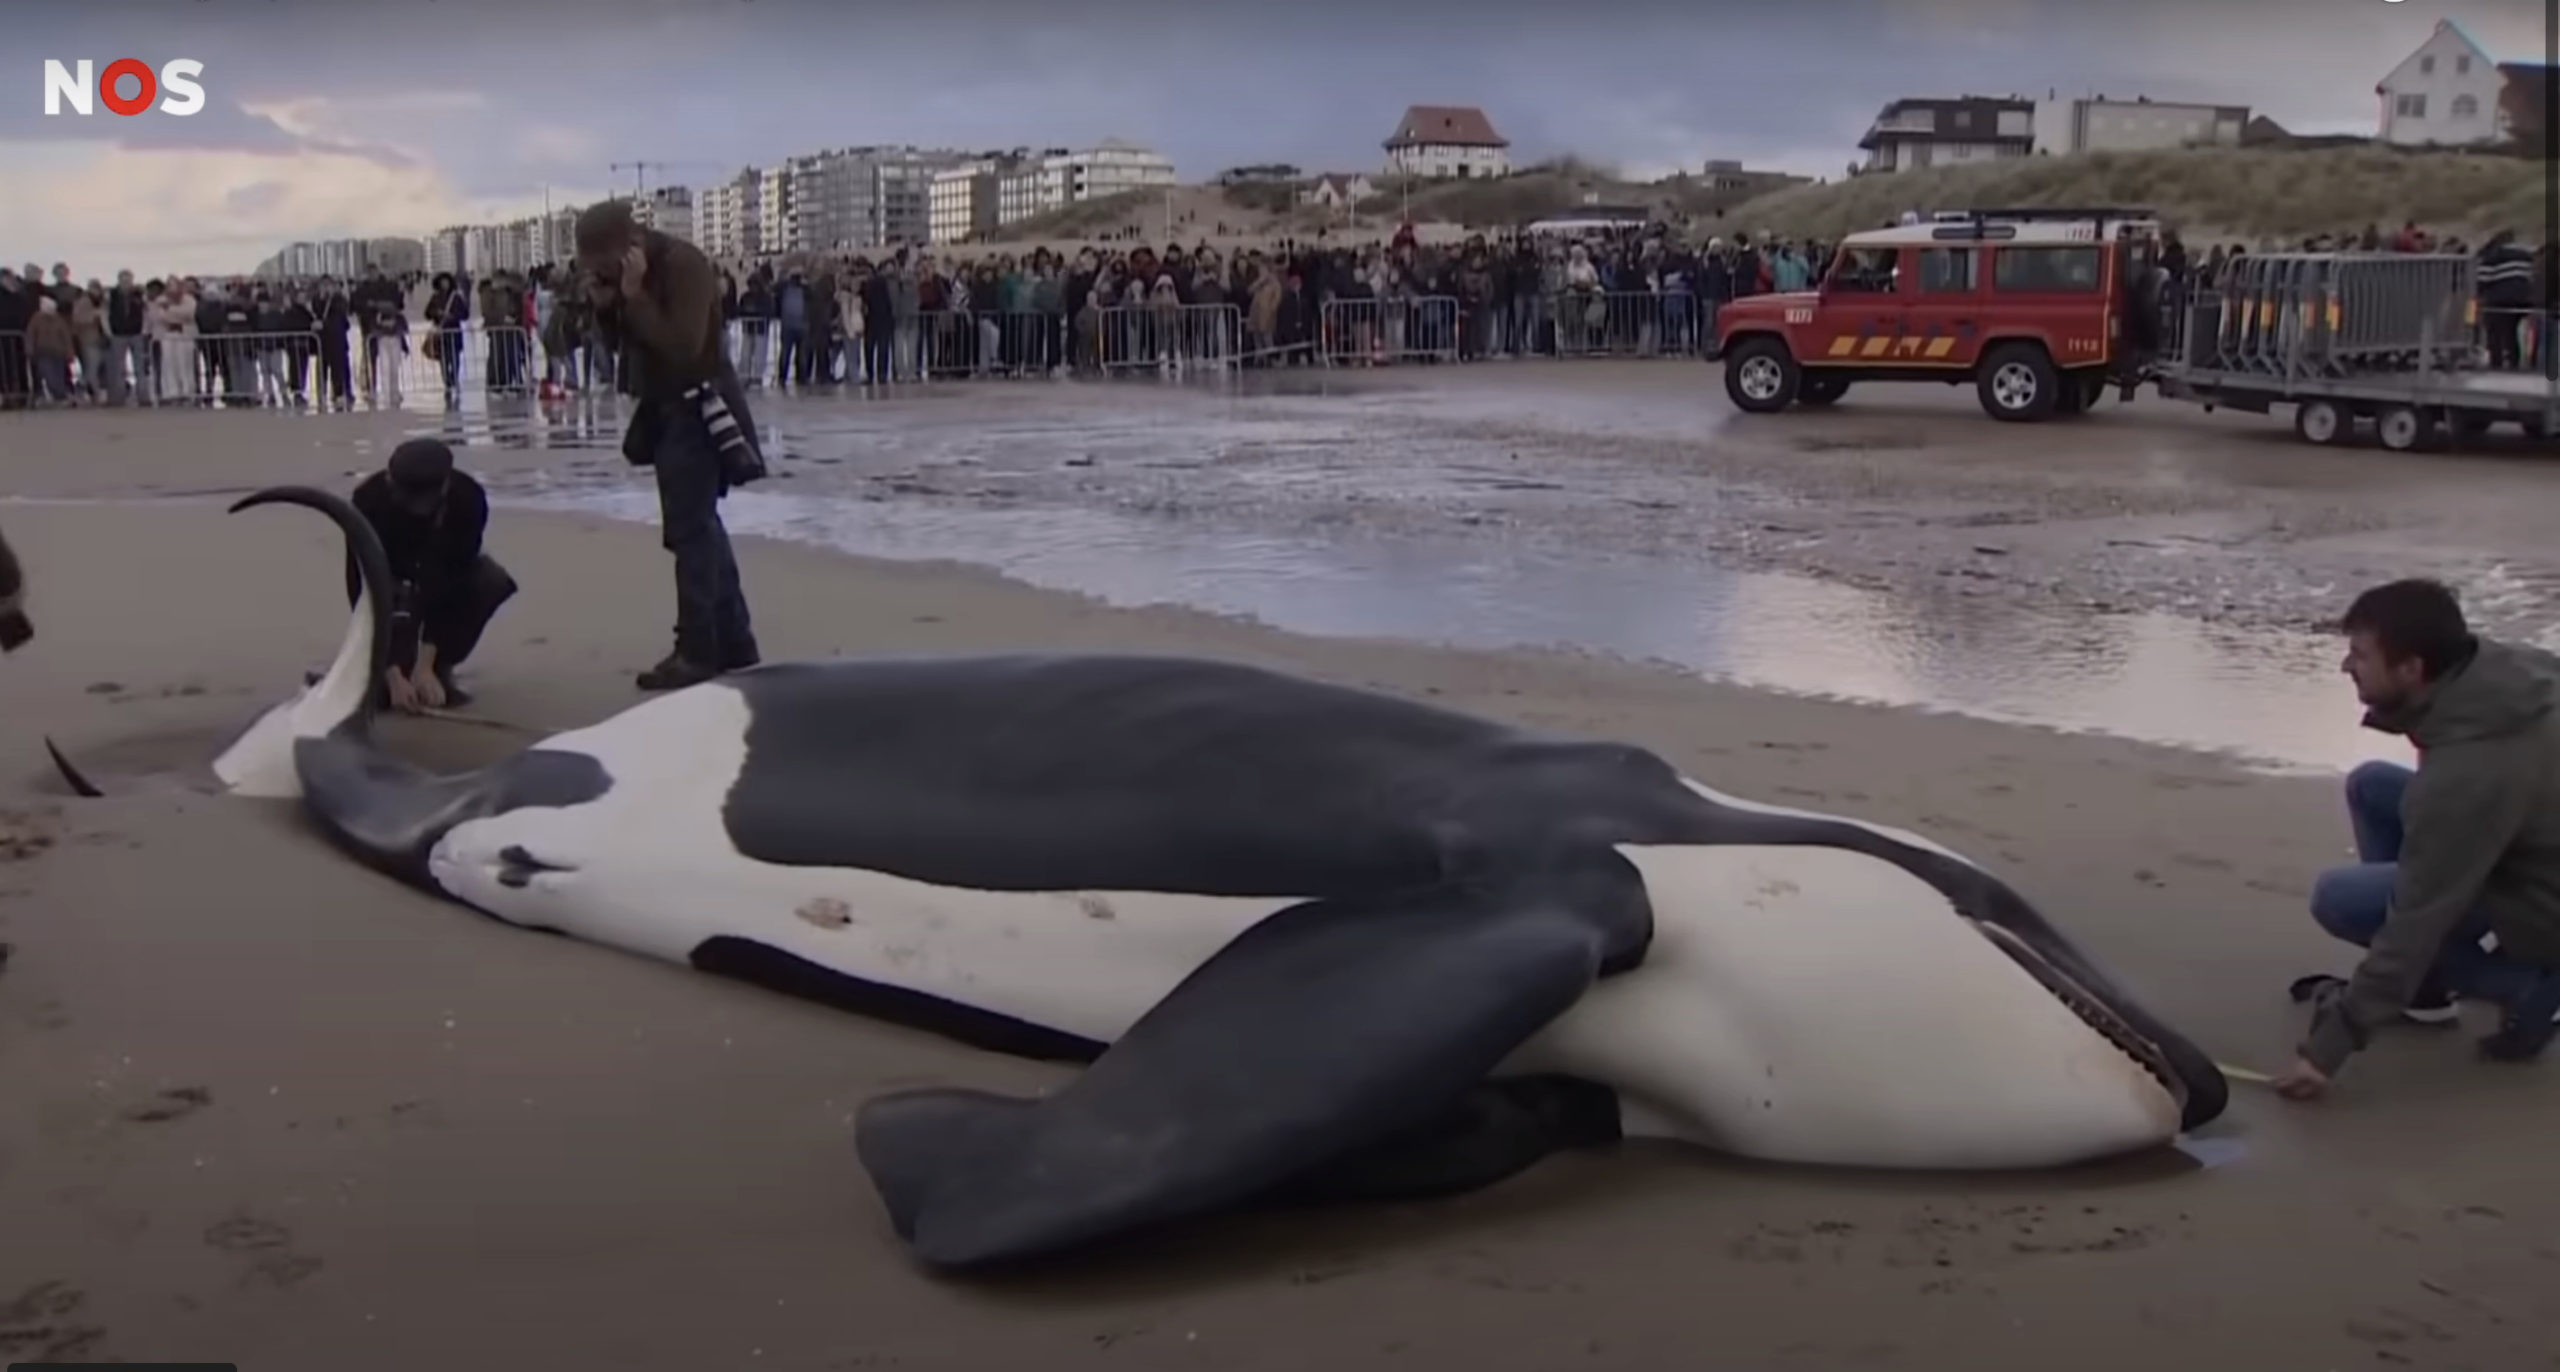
(2095, 1011)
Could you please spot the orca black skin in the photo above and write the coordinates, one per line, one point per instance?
(1131, 773)
(1411, 831)
(1456, 887)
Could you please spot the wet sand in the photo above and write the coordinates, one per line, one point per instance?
(267, 1107)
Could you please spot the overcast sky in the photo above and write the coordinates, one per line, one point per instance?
(327, 118)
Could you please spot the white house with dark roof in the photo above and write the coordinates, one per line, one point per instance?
(1915, 133)
(2445, 93)
(1337, 190)
(1446, 141)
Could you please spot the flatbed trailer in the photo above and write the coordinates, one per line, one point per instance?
(2349, 338)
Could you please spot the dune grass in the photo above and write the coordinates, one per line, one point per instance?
(2258, 195)
(1544, 189)
(1080, 220)
(2242, 193)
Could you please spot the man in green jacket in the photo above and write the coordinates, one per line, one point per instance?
(2458, 893)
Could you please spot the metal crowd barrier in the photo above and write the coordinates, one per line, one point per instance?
(1166, 337)
(948, 344)
(1629, 324)
(297, 368)
(1374, 332)
(2305, 314)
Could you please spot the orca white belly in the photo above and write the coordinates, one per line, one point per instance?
(652, 871)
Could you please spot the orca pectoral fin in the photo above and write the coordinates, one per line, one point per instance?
(1494, 1131)
(1325, 1029)
(910, 1140)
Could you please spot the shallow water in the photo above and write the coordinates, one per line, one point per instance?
(2273, 700)
(2138, 576)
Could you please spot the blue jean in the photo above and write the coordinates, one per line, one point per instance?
(713, 628)
(2351, 902)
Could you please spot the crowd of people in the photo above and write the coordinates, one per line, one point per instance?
(911, 314)
(906, 315)
(249, 341)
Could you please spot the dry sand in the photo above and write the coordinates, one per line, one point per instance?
(264, 1106)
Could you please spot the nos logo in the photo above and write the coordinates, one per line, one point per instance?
(128, 87)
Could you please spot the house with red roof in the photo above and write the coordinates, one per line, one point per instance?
(1447, 142)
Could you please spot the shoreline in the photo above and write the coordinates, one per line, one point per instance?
(2350, 744)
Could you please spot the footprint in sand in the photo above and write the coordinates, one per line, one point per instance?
(37, 1325)
(175, 1103)
(281, 1271)
(26, 834)
(266, 1245)
(246, 1234)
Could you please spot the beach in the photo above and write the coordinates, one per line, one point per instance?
(267, 1107)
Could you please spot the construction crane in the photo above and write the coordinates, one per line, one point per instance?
(639, 176)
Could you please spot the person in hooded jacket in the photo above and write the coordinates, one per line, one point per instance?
(128, 361)
(2504, 280)
(50, 343)
(211, 360)
(2457, 891)
(331, 315)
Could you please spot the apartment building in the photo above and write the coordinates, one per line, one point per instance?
(1060, 177)
(505, 247)
(728, 218)
(668, 209)
(841, 200)
(2098, 124)
(965, 199)
(444, 249)
(556, 236)
(778, 205)
(346, 258)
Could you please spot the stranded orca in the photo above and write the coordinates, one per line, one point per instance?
(1313, 942)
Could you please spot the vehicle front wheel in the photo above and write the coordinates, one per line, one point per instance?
(1761, 376)
(1817, 391)
(2018, 383)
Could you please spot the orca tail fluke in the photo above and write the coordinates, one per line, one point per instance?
(261, 761)
(80, 785)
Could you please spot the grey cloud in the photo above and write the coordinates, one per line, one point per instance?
(708, 85)
(223, 125)
(255, 198)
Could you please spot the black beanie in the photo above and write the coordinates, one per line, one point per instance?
(419, 465)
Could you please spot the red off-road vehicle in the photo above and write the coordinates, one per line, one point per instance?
(2042, 309)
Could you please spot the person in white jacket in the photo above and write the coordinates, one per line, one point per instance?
(171, 320)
